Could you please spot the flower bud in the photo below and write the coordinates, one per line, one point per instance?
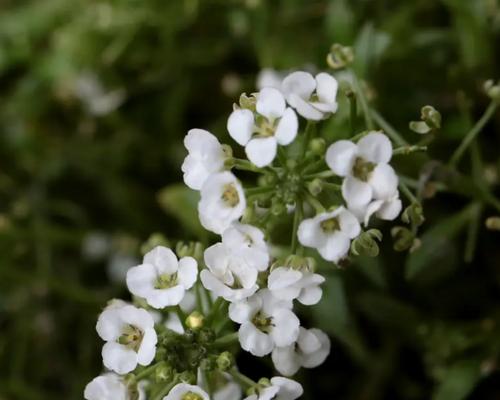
(413, 214)
(315, 187)
(208, 364)
(195, 320)
(431, 117)
(403, 238)
(492, 90)
(164, 373)
(317, 146)
(187, 377)
(206, 335)
(154, 240)
(493, 223)
(339, 56)
(189, 249)
(225, 361)
(366, 243)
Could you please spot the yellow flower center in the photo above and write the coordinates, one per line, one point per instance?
(166, 281)
(262, 322)
(330, 225)
(230, 195)
(191, 396)
(131, 337)
(362, 169)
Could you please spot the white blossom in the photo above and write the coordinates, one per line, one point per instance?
(230, 391)
(269, 77)
(206, 157)
(184, 391)
(310, 350)
(330, 233)
(273, 124)
(370, 184)
(162, 279)
(265, 321)
(279, 389)
(290, 284)
(130, 337)
(222, 202)
(313, 97)
(112, 387)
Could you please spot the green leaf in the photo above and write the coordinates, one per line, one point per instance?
(434, 251)
(459, 381)
(181, 203)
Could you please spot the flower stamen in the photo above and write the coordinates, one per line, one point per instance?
(230, 195)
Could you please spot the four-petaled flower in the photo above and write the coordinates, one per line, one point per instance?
(289, 284)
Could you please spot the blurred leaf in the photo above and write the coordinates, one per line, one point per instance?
(182, 203)
(459, 381)
(369, 47)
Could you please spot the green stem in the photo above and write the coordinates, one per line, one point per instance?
(407, 192)
(315, 165)
(353, 112)
(296, 220)
(215, 309)
(146, 372)
(242, 379)
(472, 232)
(322, 174)
(333, 186)
(307, 136)
(470, 136)
(389, 129)
(258, 190)
(315, 203)
(225, 340)
(364, 103)
(408, 149)
(245, 165)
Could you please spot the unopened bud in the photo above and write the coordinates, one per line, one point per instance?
(413, 214)
(247, 102)
(317, 146)
(431, 117)
(403, 238)
(493, 223)
(195, 320)
(225, 361)
(164, 373)
(189, 249)
(492, 90)
(187, 377)
(315, 187)
(206, 335)
(299, 263)
(208, 364)
(339, 56)
(366, 243)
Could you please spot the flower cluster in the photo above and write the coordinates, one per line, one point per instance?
(176, 341)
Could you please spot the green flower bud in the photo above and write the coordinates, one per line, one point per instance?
(225, 361)
(493, 223)
(492, 90)
(315, 187)
(189, 249)
(206, 335)
(195, 320)
(154, 240)
(366, 243)
(317, 146)
(413, 214)
(164, 373)
(430, 121)
(187, 377)
(208, 364)
(247, 102)
(339, 56)
(403, 238)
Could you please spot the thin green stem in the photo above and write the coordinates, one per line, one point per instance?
(404, 150)
(389, 129)
(225, 340)
(353, 112)
(242, 379)
(471, 135)
(315, 203)
(307, 136)
(245, 165)
(322, 174)
(333, 186)
(363, 101)
(215, 309)
(315, 165)
(258, 190)
(296, 220)
(146, 372)
(472, 233)
(407, 192)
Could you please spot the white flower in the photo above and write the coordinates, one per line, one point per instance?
(387, 209)
(289, 284)
(222, 202)
(162, 279)
(206, 156)
(313, 97)
(130, 337)
(330, 233)
(184, 391)
(261, 133)
(310, 350)
(112, 387)
(230, 391)
(367, 174)
(269, 77)
(265, 321)
(279, 389)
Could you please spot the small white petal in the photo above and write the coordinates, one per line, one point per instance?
(390, 209)
(141, 279)
(254, 341)
(326, 88)
(261, 151)
(240, 126)
(136, 316)
(289, 389)
(286, 327)
(375, 147)
(349, 224)
(179, 391)
(270, 103)
(336, 247)
(308, 233)
(314, 359)
(118, 358)
(161, 298)
(282, 277)
(188, 271)
(147, 350)
(310, 295)
(163, 259)
(287, 128)
(384, 182)
(106, 387)
(307, 341)
(356, 193)
(243, 311)
(340, 157)
(286, 360)
(299, 83)
(305, 108)
(109, 324)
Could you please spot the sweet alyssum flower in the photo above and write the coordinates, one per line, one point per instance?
(265, 321)
(130, 337)
(206, 157)
(273, 124)
(162, 279)
(310, 350)
(313, 97)
(222, 202)
(330, 233)
(233, 264)
(184, 391)
(111, 387)
(277, 388)
(367, 175)
(290, 284)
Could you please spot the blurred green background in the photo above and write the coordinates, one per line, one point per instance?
(95, 98)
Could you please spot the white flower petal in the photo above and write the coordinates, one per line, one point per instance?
(282, 277)
(179, 391)
(375, 147)
(255, 341)
(270, 103)
(109, 324)
(287, 128)
(147, 350)
(299, 83)
(384, 182)
(243, 311)
(261, 151)
(286, 360)
(307, 341)
(349, 224)
(340, 157)
(163, 259)
(161, 298)
(188, 272)
(106, 387)
(308, 233)
(390, 209)
(326, 88)
(240, 126)
(336, 247)
(286, 327)
(314, 359)
(310, 295)
(289, 389)
(305, 108)
(118, 358)
(141, 279)
(356, 193)
(137, 317)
